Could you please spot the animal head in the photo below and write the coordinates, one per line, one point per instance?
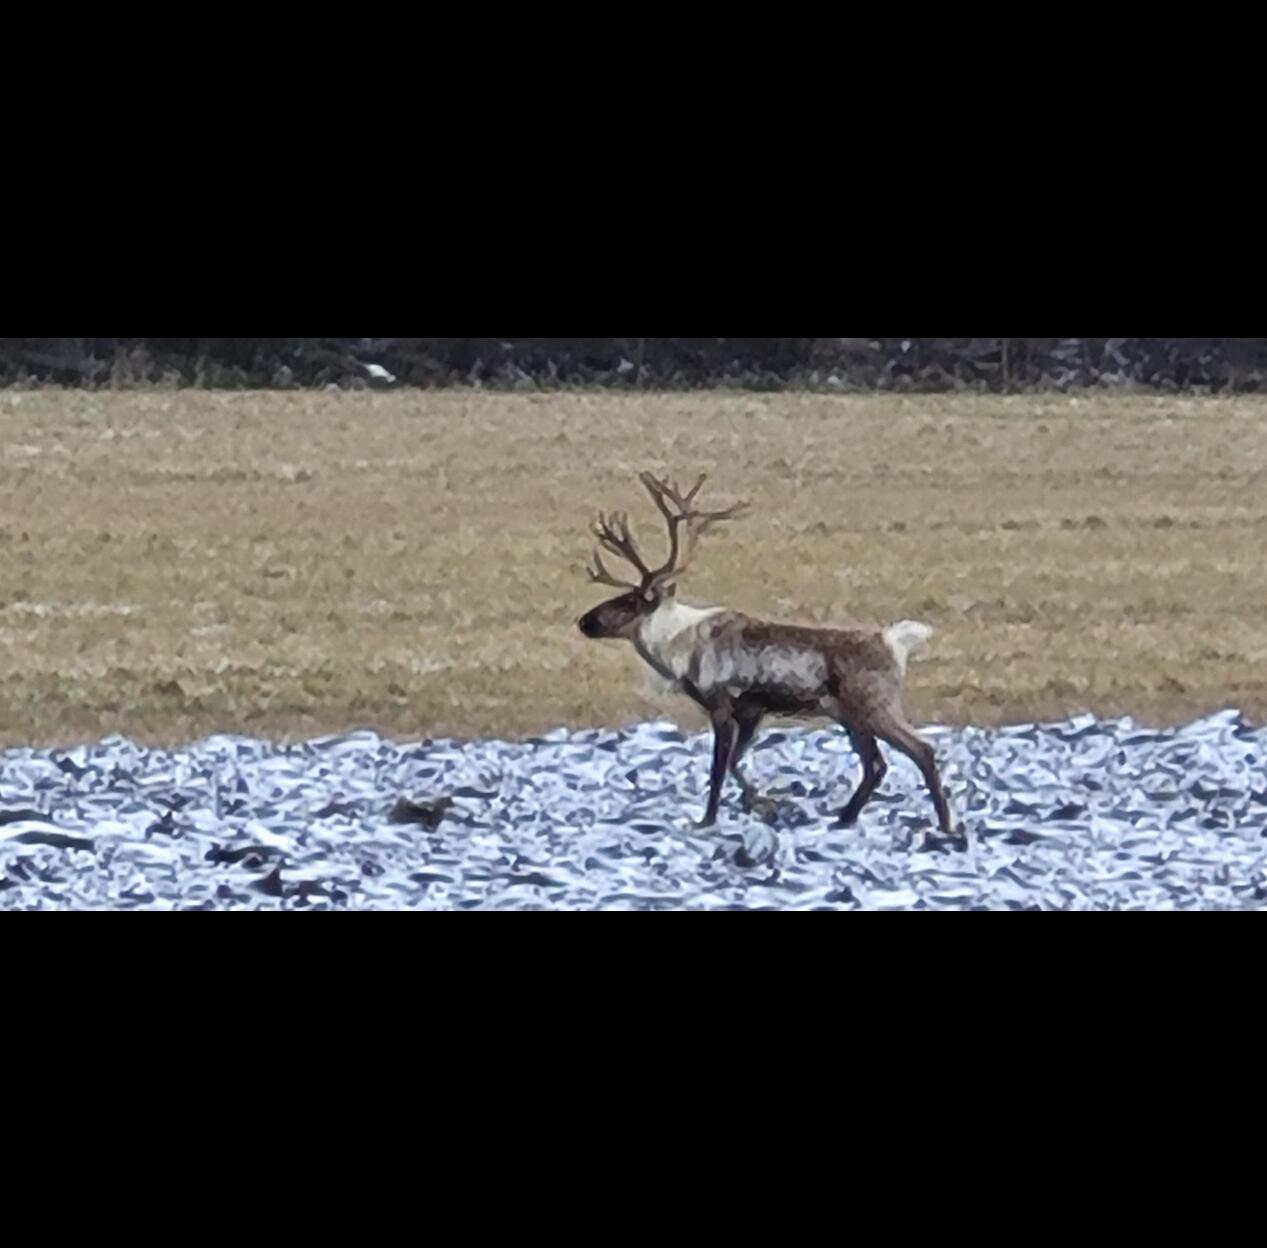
(620, 616)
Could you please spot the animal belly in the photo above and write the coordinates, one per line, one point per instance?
(783, 704)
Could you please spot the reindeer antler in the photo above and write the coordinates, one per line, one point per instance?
(612, 532)
(697, 522)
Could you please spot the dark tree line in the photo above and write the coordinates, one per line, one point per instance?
(917, 364)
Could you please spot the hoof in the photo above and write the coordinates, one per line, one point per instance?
(946, 842)
(766, 808)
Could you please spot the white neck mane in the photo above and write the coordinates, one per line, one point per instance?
(665, 636)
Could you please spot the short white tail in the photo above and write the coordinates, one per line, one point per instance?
(905, 636)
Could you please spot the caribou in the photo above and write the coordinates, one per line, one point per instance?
(738, 669)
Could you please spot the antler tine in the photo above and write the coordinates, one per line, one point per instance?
(614, 536)
(709, 518)
(601, 576)
(660, 490)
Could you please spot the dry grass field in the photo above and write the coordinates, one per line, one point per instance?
(177, 563)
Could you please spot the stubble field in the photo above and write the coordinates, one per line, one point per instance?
(174, 564)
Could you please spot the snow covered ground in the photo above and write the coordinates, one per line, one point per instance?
(1084, 814)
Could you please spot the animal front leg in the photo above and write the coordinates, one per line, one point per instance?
(725, 734)
(749, 722)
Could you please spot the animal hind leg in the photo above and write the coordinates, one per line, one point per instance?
(873, 769)
(903, 737)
